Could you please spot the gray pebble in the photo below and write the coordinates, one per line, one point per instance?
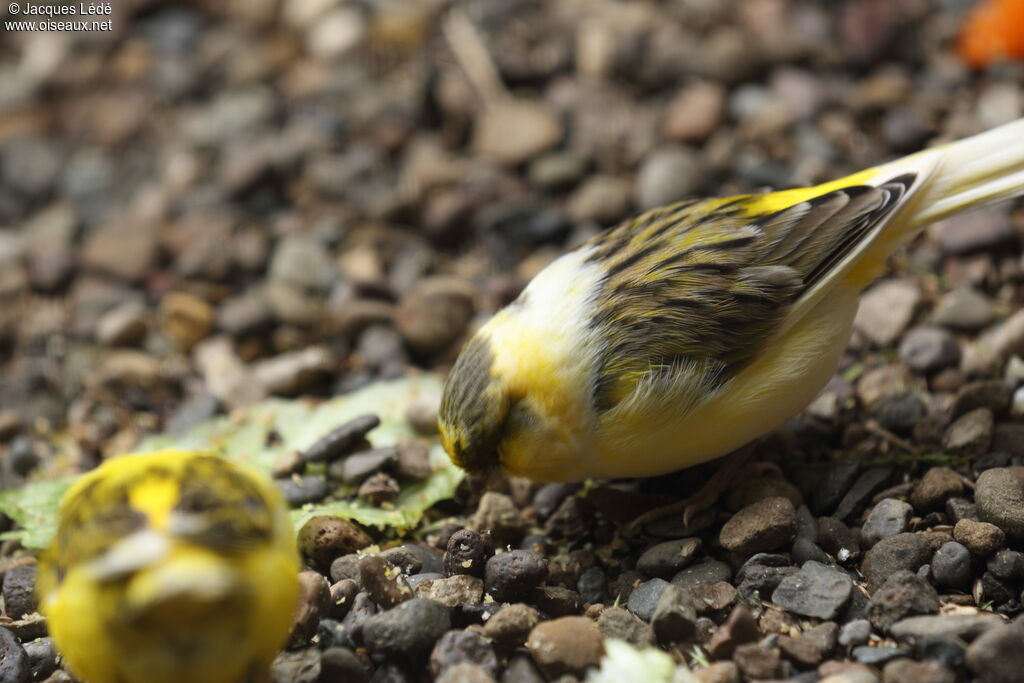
(816, 590)
(644, 598)
(668, 558)
(408, 631)
(887, 518)
(951, 565)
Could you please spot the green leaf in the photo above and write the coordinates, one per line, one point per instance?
(259, 434)
(34, 508)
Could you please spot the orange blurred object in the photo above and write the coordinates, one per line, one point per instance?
(994, 30)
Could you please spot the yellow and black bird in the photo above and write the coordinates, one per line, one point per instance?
(690, 330)
(168, 567)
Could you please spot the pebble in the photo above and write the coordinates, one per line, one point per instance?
(833, 485)
(705, 572)
(593, 585)
(511, 625)
(294, 372)
(999, 495)
(355, 468)
(314, 603)
(757, 662)
(902, 551)
(302, 262)
(799, 650)
(384, 582)
(513, 131)
(981, 538)
(668, 558)
(964, 308)
(739, 628)
(513, 575)
(467, 553)
(694, 113)
(902, 595)
(19, 591)
(837, 539)
(498, 515)
(1007, 564)
(868, 482)
(557, 601)
(463, 647)
(958, 626)
(751, 491)
(854, 633)
(667, 175)
(995, 345)
(568, 645)
(435, 314)
(887, 518)
(713, 596)
(185, 319)
(122, 248)
(42, 657)
(643, 601)
(927, 349)
(297, 666)
(975, 231)
(616, 622)
(521, 669)
(937, 485)
(326, 537)
(886, 309)
(971, 434)
(413, 460)
(765, 525)
(602, 199)
(907, 671)
(899, 412)
(465, 673)
(675, 615)
(341, 441)
(815, 591)
(362, 609)
(951, 565)
(878, 656)
(343, 593)
(996, 656)
(125, 325)
(407, 632)
(342, 664)
(15, 666)
(992, 394)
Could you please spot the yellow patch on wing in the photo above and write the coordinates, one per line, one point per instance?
(759, 205)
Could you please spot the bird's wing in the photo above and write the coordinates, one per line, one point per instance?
(700, 287)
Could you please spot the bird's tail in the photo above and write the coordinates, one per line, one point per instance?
(969, 173)
(949, 179)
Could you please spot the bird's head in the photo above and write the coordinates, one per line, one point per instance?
(474, 407)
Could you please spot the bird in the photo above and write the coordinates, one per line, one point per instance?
(170, 566)
(687, 332)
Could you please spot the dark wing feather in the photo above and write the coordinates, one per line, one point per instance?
(703, 285)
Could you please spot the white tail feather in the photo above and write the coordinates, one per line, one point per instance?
(973, 172)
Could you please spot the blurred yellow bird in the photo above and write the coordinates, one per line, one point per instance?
(169, 567)
(688, 331)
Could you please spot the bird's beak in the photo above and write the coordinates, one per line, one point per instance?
(130, 554)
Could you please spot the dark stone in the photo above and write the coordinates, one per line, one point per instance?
(903, 594)
(675, 615)
(951, 565)
(816, 590)
(513, 575)
(463, 647)
(467, 553)
(667, 558)
(902, 551)
(644, 598)
(407, 632)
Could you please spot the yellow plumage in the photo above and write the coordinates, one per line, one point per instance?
(168, 567)
(686, 332)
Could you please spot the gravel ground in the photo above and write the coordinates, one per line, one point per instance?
(216, 202)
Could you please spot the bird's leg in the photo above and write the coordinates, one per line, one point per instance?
(733, 468)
